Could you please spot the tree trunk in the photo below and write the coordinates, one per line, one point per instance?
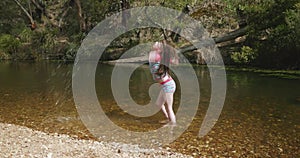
(225, 38)
(37, 5)
(54, 12)
(125, 4)
(80, 16)
(231, 35)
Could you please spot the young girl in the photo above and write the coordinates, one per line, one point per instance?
(159, 62)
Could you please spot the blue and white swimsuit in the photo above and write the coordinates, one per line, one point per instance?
(168, 85)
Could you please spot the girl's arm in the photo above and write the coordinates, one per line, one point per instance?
(174, 59)
(152, 55)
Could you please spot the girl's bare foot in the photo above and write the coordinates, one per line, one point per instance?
(164, 121)
(170, 124)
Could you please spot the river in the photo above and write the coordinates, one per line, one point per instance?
(260, 117)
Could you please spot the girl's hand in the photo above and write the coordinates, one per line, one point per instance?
(174, 61)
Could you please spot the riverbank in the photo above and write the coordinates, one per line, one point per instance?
(285, 74)
(20, 141)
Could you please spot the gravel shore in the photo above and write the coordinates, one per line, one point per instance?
(20, 141)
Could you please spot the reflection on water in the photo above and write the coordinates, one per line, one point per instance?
(260, 117)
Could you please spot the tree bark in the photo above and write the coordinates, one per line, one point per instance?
(37, 5)
(80, 16)
(54, 13)
(33, 25)
(60, 23)
(225, 38)
(125, 4)
(231, 35)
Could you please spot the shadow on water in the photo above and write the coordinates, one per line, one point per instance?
(260, 117)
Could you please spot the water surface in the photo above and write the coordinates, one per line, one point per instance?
(260, 117)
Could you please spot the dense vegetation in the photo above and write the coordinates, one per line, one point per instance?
(273, 34)
(268, 31)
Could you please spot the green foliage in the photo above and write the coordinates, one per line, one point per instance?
(281, 46)
(292, 19)
(9, 44)
(95, 14)
(8, 13)
(273, 39)
(179, 4)
(273, 31)
(71, 51)
(245, 56)
(46, 40)
(26, 35)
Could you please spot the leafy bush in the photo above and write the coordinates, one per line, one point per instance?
(26, 35)
(274, 32)
(4, 56)
(71, 51)
(292, 19)
(9, 45)
(245, 56)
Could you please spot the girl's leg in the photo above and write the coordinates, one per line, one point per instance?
(169, 101)
(160, 103)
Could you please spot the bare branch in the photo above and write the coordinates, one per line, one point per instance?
(33, 25)
(37, 5)
(60, 23)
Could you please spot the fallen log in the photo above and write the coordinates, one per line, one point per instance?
(231, 35)
(229, 38)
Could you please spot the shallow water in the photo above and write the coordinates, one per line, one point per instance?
(260, 117)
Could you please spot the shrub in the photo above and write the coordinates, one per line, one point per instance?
(245, 56)
(9, 45)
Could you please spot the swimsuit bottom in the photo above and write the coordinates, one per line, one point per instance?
(168, 85)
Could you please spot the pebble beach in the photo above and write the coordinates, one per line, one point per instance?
(20, 141)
